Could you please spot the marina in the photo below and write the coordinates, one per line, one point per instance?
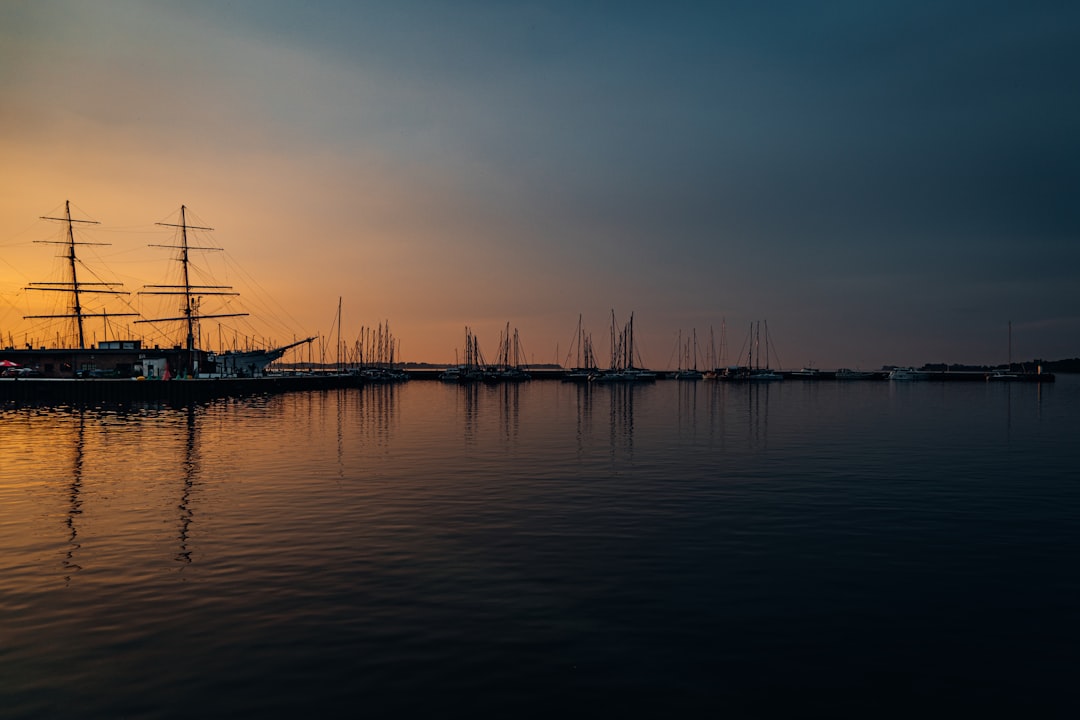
(127, 369)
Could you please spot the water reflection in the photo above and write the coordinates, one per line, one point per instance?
(474, 569)
(375, 415)
(734, 406)
(758, 413)
(474, 399)
(74, 498)
(686, 406)
(509, 397)
(178, 460)
(622, 415)
(583, 398)
(1012, 389)
(469, 393)
(190, 467)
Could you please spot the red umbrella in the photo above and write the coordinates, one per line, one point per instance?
(8, 363)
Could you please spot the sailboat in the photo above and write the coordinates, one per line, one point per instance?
(472, 369)
(1006, 374)
(759, 373)
(585, 365)
(378, 352)
(508, 366)
(688, 369)
(1011, 374)
(623, 354)
(720, 371)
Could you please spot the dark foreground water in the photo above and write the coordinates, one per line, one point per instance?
(796, 549)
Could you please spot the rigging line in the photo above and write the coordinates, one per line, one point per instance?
(93, 273)
(574, 343)
(23, 231)
(26, 278)
(248, 278)
(140, 228)
(675, 348)
(772, 347)
(742, 350)
(83, 213)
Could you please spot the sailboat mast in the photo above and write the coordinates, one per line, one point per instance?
(75, 287)
(580, 340)
(766, 344)
(723, 340)
(613, 360)
(750, 360)
(712, 361)
(77, 305)
(185, 265)
(1010, 346)
(190, 312)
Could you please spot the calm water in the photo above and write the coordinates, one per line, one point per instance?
(429, 550)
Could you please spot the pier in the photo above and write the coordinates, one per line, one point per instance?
(179, 391)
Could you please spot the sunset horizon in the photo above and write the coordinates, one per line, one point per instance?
(881, 185)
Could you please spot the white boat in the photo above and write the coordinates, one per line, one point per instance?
(757, 373)
(472, 370)
(907, 374)
(688, 369)
(849, 374)
(628, 375)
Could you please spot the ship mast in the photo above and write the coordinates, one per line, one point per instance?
(191, 293)
(75, 287)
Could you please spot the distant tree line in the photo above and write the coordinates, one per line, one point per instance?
(1070, 365)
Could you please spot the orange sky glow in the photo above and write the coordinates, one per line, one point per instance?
(442, 169)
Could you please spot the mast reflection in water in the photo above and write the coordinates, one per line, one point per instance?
(545, 548)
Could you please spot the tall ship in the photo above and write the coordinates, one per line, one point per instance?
(80, 301)
(119, 356)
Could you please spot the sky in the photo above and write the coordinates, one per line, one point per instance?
(880, 183)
